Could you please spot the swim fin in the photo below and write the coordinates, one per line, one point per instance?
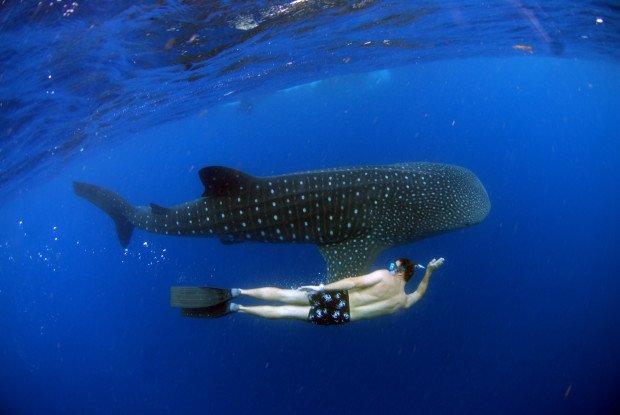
(215, 311)
(198, 297)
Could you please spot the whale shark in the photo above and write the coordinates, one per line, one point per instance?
(351, 214)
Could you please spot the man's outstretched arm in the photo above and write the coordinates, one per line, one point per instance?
(347, 283)
(415, 296)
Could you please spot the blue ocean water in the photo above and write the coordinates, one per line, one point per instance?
(522, 318)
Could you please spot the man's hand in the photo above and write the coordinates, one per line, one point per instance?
(311, 288)
(435, 263)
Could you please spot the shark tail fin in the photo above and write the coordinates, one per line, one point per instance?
(112, 204)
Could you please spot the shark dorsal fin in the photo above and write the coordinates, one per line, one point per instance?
(223, 181)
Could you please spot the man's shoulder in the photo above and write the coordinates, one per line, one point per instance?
(380, 273)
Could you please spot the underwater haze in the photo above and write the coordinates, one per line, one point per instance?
(524, 316)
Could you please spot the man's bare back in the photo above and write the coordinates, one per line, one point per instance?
(385, 297)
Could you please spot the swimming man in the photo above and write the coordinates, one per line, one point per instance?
(376, 294)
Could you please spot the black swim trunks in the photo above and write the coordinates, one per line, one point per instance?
(329, 307)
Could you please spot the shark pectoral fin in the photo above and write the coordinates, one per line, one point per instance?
(351, 257)
(224, 181)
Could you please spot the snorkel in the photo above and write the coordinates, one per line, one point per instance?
(396, 268)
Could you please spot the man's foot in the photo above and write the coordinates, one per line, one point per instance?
(435, 263)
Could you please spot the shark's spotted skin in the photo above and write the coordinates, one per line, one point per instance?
(352, 214)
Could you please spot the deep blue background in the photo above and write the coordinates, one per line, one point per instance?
(522, 318)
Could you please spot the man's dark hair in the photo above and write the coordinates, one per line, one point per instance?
(409, 267)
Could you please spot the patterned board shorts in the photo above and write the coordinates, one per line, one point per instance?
(329, 307)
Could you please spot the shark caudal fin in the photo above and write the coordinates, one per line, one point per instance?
(112, 204)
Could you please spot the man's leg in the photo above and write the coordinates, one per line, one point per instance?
(284, 311)
(277, 294)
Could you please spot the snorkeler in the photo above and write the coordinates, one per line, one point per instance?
(379, 293)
